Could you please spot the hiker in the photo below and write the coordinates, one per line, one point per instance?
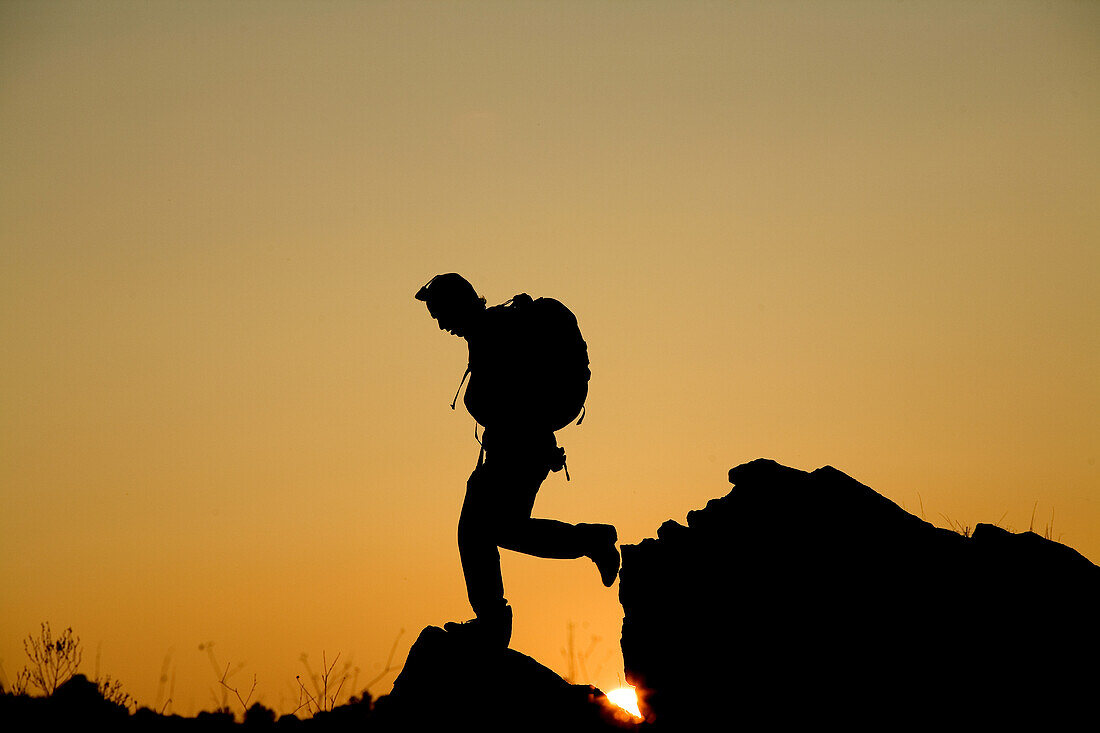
(528, 372)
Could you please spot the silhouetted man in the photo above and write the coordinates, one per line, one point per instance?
(518, 447)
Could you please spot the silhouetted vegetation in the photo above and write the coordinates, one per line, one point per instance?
(78, 701)
(52, 661)
(50, 692)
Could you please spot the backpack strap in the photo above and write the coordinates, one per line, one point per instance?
(455, 400)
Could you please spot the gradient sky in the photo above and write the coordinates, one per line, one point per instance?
(862, 234)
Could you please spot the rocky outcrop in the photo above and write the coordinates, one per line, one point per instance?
(450, 682)
(805, 599)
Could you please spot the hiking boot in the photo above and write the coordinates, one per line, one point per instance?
(603, 552)
(493, 630)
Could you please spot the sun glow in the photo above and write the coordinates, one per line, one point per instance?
(627, 699)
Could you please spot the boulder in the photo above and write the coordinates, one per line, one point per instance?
(807, 598)
(450, 682)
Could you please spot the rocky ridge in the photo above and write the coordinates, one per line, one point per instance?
(804, 598)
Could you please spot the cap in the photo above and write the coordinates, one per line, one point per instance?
(448, 286)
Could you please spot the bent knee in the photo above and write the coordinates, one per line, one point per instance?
(498, 531)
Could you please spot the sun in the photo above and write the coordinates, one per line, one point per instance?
(627, 699)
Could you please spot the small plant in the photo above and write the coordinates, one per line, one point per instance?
(963, 529)
(1048, 533)
(389, 663)
(111, 690)
(578, 660)
(52, 661)
(326, 688)
(163, 680)
(222, 706)
(243, 701)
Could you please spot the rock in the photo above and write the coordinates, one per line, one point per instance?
(450, 683)
(76, 704)
(808, 599)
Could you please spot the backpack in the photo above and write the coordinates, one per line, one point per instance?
(537, 373)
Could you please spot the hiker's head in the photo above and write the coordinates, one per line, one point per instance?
(452, 301)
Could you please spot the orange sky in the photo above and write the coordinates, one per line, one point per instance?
(851, 233)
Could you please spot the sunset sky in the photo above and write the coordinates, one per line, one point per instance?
(858, 234)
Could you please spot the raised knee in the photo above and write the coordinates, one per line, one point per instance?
(481, 530)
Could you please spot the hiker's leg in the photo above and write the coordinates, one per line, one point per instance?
(518, 465)
(520, 478)
(543, 538)
(477, 546)
(549, 538)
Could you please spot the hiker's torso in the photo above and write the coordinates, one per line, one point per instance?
(499, 394)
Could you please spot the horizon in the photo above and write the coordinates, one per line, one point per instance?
(849, 234)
